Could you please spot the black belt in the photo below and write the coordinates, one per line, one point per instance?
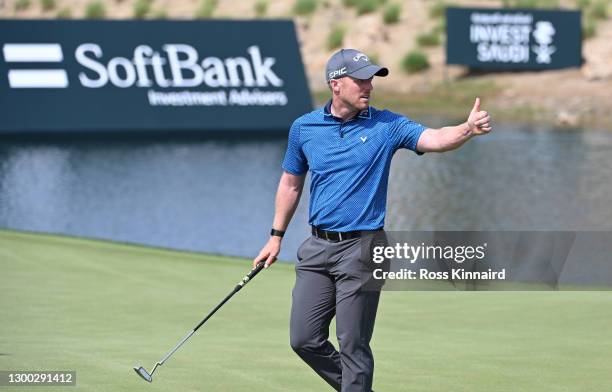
(334, 236)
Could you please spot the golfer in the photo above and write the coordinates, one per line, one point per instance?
(347, 146)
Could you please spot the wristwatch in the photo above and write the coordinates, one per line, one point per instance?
(277, 233)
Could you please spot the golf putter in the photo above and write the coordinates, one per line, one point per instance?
(142, 372)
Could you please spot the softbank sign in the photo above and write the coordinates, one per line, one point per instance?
(169, 75)
(175, 66)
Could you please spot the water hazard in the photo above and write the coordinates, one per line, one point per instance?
(217, 195)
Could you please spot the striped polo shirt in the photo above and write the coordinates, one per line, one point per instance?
(349, 164)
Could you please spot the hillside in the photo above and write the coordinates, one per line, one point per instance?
(571, 97)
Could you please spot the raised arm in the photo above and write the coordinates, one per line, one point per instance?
(453, 137)
(287, 198)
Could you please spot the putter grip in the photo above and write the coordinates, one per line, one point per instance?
(250, 275)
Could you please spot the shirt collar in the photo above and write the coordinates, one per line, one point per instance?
(365, 113)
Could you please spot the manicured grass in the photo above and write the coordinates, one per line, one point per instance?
(100, 308)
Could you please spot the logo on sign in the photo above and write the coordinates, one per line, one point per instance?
(543, 35)
(20, 54)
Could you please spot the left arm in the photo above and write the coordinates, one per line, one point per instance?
(451, 138)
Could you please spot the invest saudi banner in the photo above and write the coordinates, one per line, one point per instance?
(489, 38)
(150, 76)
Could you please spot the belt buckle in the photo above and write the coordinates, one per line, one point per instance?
(340, 237)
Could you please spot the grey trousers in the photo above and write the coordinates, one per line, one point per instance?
(332, 279)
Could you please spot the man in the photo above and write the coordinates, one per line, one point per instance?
(347, 146)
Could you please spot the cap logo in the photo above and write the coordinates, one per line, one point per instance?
(337, 72)
(360, 56)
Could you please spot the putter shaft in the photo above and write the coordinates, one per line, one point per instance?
(142, 372)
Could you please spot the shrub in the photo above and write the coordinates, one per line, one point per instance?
(64, 13)
(583, 4)
(549, 4)
(440, 27)
(47, 5)
(589, 28)
(531, 3)
(599, 10)
(142, 8)
(95, 10)
(335, 37)
(526, 3)
(428, 39)
(160, 14)
(366, 6)
(206, 9)
(21, 5)
(415, 61)
(304, 7)
(391, 14)
(261, 8)
(437, 9)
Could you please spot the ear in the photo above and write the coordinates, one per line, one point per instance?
(334, 85)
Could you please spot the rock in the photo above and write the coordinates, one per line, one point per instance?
(565, 118)
(597, 71)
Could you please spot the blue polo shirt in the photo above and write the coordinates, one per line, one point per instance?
(349, 164)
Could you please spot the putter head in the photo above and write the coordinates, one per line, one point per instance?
(143, 373)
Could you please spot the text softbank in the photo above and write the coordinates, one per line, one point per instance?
(177, 65)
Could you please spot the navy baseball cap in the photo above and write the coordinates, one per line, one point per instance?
(351, 62)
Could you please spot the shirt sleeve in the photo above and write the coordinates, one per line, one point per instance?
(405, 133)
(295, 161)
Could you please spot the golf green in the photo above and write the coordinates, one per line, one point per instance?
(99, 308)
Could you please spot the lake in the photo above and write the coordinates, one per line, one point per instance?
(217, 195)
